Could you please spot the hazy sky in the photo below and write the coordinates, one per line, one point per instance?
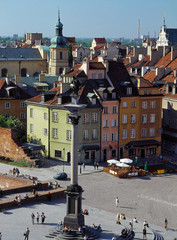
(87, 18)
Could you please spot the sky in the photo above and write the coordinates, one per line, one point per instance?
(87, 18)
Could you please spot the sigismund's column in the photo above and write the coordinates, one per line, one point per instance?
(74, 217)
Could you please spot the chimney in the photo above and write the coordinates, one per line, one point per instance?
(167, 88)
(42, 77)
(175, 73)
(42, 98)
(17, 78)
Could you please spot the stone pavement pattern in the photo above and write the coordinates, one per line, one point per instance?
(150, 198)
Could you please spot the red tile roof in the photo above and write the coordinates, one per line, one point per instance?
(164, 61)
(144, 62)
(96, 65)
(2, 81)
(100, 40)
(169, 78)
(150, 76)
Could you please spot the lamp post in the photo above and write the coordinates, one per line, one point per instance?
(74, 216)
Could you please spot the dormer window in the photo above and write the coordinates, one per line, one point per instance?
(105, 95)
(129, 91)
(113, 95)
(94, 100)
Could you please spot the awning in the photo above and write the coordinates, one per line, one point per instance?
(142, 143)
(91, 147)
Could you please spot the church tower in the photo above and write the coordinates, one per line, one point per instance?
(58, 51)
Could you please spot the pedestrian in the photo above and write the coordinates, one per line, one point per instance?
(0, 235)
(114, 237)
(144, 233)
(26, 233)
(49, 197)
(85, 237)
(117, 201)
(37, 217)
(166, 223)
(131, 225)
(32, 218)
(97, 165)
(43, 218)
(94, 165)
(83, 165)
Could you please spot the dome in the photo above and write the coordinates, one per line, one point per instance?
(58, 41)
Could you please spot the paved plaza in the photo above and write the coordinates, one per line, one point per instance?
(151, 198)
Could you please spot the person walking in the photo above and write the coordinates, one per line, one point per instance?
(26, 233)
(37, 217)
(166, 223)
(144, 233)
(117, 201)
(97, 165)
(83, 165)
(0, 235)
(43, 218)
(32, 218)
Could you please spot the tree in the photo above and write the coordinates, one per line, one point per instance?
(13, 122)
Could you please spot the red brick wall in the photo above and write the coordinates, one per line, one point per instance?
(9, 145)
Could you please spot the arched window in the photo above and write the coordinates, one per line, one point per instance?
(23, 72)
(4, 72)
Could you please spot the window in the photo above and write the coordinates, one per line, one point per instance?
(58, 153)
(45, 116)
(93, 76)
(133, 104)
(94, 100)
(45, 131)
(31, 112)
(86, 155)
(114, 123)
(132, 151)
(105, 123)
(152, 151)
(114, 137)
(124, 119)
(85, 134)
(105, 95)
(94, 134)
(145, 92)
(22, 105)
(31, 128)
(105, 110)
(114, 109)
(54, 132)
(94, 117)
(68, 134)
(143, 132)
(132, 133)
(7, 115)
(100, 75)
(149, 92)
(152, 118)
(54, 117)
(129, 91)
(22, 115)
(113, 95)
(68, 119)
(86, 118)
(153, 103)
(133, 118)
(61, 55)
(144, 118)
(114, 153)
(144, 105)
(152, 132)
(124, 133)
(105, 137)
(124, 104)
(7, 105)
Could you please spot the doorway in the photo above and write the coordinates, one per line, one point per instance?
(68, 157)
(143, 153)
(104, 155)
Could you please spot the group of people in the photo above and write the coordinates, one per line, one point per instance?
(43, 217)
(16, 172)
(18, 200)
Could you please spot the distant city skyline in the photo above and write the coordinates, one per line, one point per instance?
(88, 18)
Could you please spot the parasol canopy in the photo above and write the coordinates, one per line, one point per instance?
(121, 164)
(112, 161)
(126, 160)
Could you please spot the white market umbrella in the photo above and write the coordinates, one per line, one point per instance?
(112, 161)
(126, 160)
(121, 164)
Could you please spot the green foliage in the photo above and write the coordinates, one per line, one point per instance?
(15, 123)
(84, 42)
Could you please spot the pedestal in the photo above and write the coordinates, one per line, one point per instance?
(74, 217)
